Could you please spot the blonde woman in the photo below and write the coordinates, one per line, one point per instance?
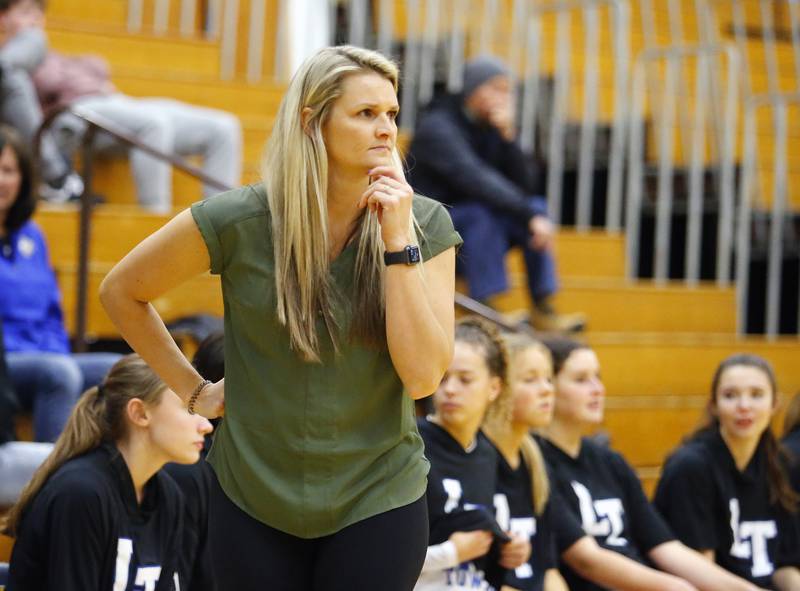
(99, 513)
(338, 287)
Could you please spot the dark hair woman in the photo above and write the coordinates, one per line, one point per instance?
(725, 491)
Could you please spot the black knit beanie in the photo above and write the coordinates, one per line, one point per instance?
(479, 70)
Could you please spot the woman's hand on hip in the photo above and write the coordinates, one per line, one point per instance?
(390, 197)
(211, 402)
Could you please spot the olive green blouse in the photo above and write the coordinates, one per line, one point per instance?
(307, 448)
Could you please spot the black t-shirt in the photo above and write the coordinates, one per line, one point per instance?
(792, 445)
(86, 531)
(460, 497)
(711, 505)
(194, 480)
(602, 491)
(514, 510)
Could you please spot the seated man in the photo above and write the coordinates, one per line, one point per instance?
(464, 154)
(167, 125)
(22, 49)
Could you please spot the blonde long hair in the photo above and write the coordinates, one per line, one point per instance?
(531, 454)
(295, 172)
(98, 416)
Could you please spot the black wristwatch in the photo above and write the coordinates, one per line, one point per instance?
(408, 256)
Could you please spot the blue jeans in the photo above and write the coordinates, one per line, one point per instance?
(488, 235)
(49, 384)
(18, 461)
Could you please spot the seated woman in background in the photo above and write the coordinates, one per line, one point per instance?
(118, 520)
(523, 502)
(602, 490)
(468, 548)
(725, 491)
(46, 377)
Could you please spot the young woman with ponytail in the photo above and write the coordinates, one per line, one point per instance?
(469, 550)
(99, 513)
(725, 492)
(523, 500)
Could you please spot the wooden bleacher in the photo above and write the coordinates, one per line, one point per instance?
(658, 344)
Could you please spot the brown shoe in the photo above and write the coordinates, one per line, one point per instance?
(553, 322)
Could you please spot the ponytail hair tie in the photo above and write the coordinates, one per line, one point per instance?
(100, 390)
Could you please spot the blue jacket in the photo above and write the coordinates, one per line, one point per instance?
(455, 159)
(30, 301)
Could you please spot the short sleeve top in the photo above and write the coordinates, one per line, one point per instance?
(711, 505)
(307, 448)
(604, 493)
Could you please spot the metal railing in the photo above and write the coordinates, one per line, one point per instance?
(559, 114)
(703, 111)
(98, 124)
(433, 38)
(771, 227)
(779, 209)
(95, 125)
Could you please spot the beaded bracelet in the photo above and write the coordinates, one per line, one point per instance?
(195, 395)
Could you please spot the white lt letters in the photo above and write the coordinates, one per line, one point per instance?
(609, 511)
(146, 576)
(521, 526)
(453, 489)
(757, 532)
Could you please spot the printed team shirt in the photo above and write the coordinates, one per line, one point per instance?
(514, 510)
(85, 530)
(460, 496)
(711, 505)
(194, 481)
(601, 490)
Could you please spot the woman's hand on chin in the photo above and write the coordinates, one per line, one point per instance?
(390, 197)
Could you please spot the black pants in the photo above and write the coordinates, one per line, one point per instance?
(383, 553)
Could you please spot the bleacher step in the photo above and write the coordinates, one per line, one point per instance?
(123, 49)
(619, 305)
(681, 364)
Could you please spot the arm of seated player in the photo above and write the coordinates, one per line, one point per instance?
(615, 571)
(786, 578)
(553, 581)
(460, 547)
(515, 553)
(678, 559)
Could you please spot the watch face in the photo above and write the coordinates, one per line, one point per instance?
(413, 254)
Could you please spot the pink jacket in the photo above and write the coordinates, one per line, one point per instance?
(60, 79)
